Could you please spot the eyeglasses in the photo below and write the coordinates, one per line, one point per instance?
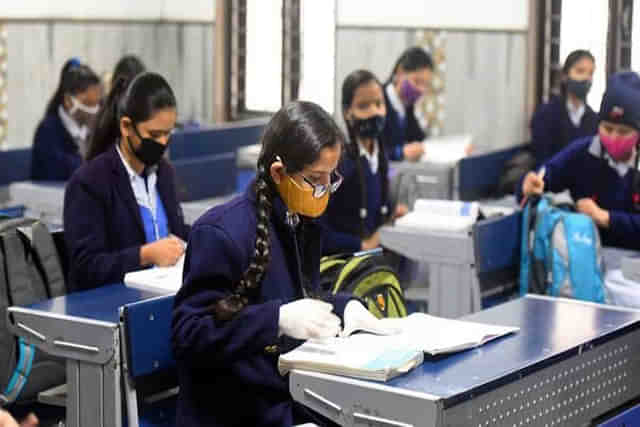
(320, 190)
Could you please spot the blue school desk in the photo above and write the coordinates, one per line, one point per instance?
(570, 363)
(82, 328)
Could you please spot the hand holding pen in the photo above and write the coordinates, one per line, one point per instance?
(533, 184)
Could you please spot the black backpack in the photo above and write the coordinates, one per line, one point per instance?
(30, 272)
(367, 276)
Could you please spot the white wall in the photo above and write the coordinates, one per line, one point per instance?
(448, 14)
(153, 10)
(318, 52)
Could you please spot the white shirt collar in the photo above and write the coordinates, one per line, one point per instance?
(575, 113)
(77, 132)
(395, 100)
(595, 149)
(372, 158)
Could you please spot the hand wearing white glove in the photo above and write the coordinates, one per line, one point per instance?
(308, 318)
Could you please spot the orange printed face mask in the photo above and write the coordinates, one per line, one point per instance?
(302, 200)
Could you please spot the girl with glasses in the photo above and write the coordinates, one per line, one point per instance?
(251, 290)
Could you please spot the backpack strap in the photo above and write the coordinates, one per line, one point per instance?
(47, 260)
(525, 250)
(20, 373)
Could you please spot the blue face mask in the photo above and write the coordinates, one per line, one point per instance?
(580, 88)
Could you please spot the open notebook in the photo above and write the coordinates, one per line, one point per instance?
(444, 215)
(157, 279)
(388, 347)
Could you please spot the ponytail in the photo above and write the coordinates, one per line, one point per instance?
(107, 125)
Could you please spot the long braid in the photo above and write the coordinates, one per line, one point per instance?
(249, 286)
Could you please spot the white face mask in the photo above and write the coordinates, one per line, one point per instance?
(79, 106)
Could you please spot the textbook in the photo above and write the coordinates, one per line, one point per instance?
(444, 215)
(385, 348)
(157, 279)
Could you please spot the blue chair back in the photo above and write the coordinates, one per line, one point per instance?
(206, 177)
(220, 139)
(147, 330)
(497, 252)
(16, 166)
(479, 175)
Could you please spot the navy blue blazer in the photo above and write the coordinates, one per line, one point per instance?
(233, 357)
(398, 132)
(552, 130)
(342, 220)
(581, 169)
(102, 224)
(55, 154)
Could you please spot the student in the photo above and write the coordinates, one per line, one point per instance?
(362, 205)
(404, 129)
(566, 117)
(127, 68)
(121, 211)
(601, 171)
(61, 137)
(6, 420)
(251, 289)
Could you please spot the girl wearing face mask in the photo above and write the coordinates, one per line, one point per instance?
(121, 212)
(362, 205)
(251, 289)
(60, 142)
(566, 117)
(404, 129)
(601, 171)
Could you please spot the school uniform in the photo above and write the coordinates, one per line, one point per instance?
(228, 371)
(402, 125)
(558, 123)
(587, 171)
(106, 221)
(342, 220)
(56, 153)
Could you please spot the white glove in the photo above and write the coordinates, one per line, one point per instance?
(308, 318)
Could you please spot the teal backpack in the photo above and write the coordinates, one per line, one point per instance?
(560, 254)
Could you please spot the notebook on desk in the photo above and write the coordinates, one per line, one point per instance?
(157, 279)
(389, 347)
(442, 215)
(447, 149)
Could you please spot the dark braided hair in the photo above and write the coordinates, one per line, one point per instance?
(351, 83)
(296, 134)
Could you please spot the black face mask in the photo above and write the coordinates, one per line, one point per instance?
(370, 127)
(579, 88)
(150, 151)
